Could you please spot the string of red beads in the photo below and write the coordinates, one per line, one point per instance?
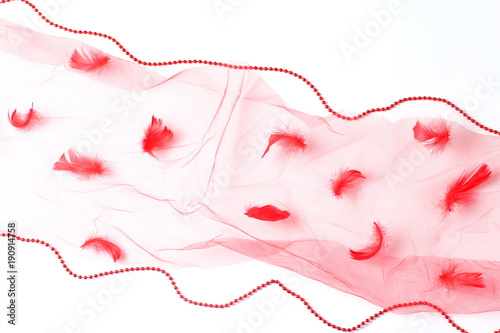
(321, 98)
(244, 296)
(259, 68)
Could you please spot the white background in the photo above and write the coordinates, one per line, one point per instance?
(445, 49)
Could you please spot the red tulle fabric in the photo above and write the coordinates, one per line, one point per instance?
(391, 212)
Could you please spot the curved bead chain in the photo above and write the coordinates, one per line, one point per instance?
(244, 296)
(277, 282)
(259, 68)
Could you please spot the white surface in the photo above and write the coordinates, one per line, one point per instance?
(446, 49)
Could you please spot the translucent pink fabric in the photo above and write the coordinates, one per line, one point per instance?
(211, 195)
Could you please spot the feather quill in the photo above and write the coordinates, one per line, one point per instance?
(156, 137)
(461, 191)
(291, 142)
(267, 213)
(91, 61)
(99, 244)
(371, 249)
(84, 166)
(452, 279)
(26, 121)
(346, 180)
(434, 134)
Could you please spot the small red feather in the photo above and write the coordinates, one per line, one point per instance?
(90, 61)
(156, 137)
(290, 141)
(25, 122)
(345, 181)
(372, 249)
(267, 213)
(434, 134)
(100, 244)
(84, 166)
(462, 190)
(452, 279)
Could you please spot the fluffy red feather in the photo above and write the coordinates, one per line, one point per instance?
(452, 279)
(90, 61)
(99, 244)
(461, 191)
(267, 213)
(156, 137)
(345, 181)
(24, 122)
(434, 134)
(371, 249)
(290, 141)
(84, 166)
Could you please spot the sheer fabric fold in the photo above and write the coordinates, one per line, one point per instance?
(209, 167)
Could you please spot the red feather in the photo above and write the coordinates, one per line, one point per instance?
(156, 137)
(290, 141)
(451, 279)
(462, 190)
(25, 122)
(434, 134)
(267, 213)
(100, 244)
(346, 180)
(84, 166)
(90, 61)
(372, 249)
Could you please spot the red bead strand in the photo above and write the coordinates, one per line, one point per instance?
(242, 297)
(259, 68)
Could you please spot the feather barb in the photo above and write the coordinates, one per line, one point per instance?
(434, 134)
(346, 180)
(99, 244)
(461, 191)
(290, 141)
